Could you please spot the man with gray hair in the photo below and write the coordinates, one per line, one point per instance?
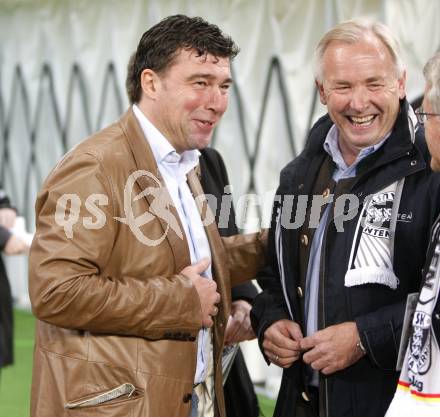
(418, 390)
(335, 290)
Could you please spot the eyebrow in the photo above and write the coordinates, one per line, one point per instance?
(373, 79)
(209, 77)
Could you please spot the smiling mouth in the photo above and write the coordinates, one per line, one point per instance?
(206, 122)
(364, 121)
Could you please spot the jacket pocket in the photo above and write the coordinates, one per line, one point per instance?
(116, 401)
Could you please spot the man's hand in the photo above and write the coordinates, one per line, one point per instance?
(15, 246)
(282, 343)
(206, 289)
(333, 348)
(239, 326)
(7, 217)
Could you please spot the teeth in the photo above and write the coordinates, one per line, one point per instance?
(361, 120)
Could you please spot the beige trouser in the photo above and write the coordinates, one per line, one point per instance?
(205, 391)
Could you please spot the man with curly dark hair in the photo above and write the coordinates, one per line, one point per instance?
(133, 301)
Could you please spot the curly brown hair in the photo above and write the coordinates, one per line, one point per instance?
(160, 44)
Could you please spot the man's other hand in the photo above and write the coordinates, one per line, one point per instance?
(15, 246)
(333, 348)
(282, 343)
(239, 326)
(206, 288)
(7, 217)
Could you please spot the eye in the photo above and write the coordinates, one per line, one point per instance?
(200, 83)
(375, 86)
(225, 87)
(342, 88)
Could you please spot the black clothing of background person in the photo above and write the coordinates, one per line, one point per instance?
(6, 319)
(240, 398)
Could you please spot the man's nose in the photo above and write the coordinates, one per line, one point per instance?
(359, 99)
(217, 100)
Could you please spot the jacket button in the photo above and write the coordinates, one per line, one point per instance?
(304, 240)
(413, 163)
(437, 316)
(326, 192)
(299, 291)
(187, 398)
(305, 396)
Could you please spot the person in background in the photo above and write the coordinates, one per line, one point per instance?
(128, 276)
(418, 389)
(334, 294)
(10, 245)
(240, 397)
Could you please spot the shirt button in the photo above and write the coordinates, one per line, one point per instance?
(326, 192)
(304, 240)
(299, 291)
(305, 396)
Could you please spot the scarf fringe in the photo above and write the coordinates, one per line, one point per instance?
(371, 275)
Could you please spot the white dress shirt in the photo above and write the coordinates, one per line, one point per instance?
(173, 168)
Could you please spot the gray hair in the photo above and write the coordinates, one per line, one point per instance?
(431, 71)
(353, 31)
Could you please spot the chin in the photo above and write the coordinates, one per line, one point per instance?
(201, 143)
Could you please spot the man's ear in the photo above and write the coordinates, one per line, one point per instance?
(149, 83)
(320, 88)
(401, 85)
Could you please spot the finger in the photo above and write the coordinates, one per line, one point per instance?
(278, 339)
(311, 356)
(238, 334)
(282, 352)
(307, 343)
(202, 265)
(294, 331)
(319, 363)
(327, 370)
(282, 361)
(208, 322)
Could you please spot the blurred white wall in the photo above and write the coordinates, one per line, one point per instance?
(63, 66)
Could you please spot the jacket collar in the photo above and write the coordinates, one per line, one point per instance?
(152, 179)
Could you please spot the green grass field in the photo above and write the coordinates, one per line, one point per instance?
(15, 381)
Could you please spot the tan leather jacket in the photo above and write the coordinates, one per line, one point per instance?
(112, 309)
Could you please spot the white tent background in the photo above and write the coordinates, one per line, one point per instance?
(62, 75)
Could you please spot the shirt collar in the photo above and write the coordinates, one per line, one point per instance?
(331, 146)
(165, 153)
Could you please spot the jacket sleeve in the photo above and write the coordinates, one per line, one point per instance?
(246, 291)
(380, 334)
(246, 256)
(269, 306)
(68, 280)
